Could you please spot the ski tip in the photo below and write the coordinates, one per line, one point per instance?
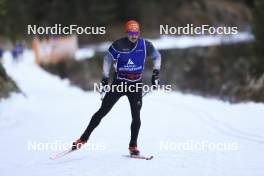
(52, 157)
(150, 158)
(60, 154)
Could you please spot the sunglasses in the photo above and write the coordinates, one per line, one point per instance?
(130, 33)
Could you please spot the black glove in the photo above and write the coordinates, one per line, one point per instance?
(155, 81)
(104, 81)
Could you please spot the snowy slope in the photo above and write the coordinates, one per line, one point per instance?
(54, 111)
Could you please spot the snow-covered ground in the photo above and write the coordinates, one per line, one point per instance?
(174, 42)
(53, 111)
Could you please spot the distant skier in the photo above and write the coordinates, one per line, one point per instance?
(17, 51)
(128, 54)
(1, 53)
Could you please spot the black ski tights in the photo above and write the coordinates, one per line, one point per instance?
(135, 100)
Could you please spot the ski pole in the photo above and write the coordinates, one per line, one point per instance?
(145, 93)
(102, 94)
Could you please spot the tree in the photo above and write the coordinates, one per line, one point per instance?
(258, 61)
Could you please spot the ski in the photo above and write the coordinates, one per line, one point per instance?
(140, 157)
(66, 152)
(60, 154)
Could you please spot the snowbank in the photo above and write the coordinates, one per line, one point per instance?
(174, 42)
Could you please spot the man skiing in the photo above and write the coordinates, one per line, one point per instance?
(128, 54)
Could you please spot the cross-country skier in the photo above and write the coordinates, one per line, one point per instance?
(128, 54)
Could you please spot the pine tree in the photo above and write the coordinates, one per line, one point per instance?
(258, 61)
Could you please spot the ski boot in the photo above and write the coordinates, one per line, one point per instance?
(134, 151)
(78, 144)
